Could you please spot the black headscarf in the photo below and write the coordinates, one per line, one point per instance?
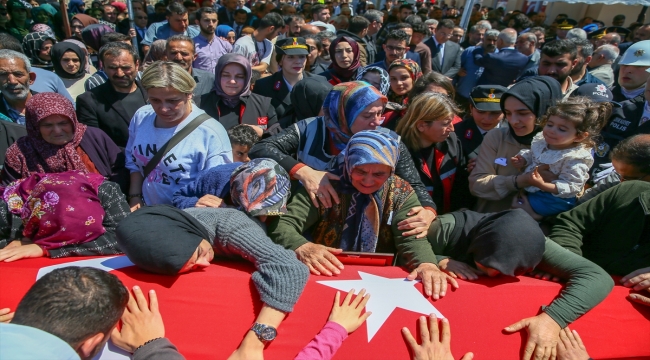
(160, 239)
(57, 54)
(308, 97)
(509, 241)
(538, 94)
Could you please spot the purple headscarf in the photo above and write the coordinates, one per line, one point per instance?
(232, 100)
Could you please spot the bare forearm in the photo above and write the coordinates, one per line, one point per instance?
(548, 187)
(135, 188)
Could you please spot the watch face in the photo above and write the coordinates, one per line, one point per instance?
(269, 333)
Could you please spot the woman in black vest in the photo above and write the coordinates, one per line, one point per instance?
(232, 103)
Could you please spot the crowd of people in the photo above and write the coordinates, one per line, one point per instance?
(285, 133)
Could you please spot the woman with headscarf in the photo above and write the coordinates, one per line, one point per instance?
(308, 97)
(69, 63)
(375, 76)
(402, 76)
(38, 47)
(345, 61)
(44, 14)
(170, 241)
(373, 200)
(76, 7)
(79, 22)
(226, 32)
(468, 244)
(92, 35)
(494, 179)
(232, 103)
(428, 133)
(57, 142)
(90, 69)
(58, 215)
(305, 149)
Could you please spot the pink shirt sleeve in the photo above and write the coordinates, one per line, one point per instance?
(325, 344)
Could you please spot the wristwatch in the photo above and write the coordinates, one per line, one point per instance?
(265, 333)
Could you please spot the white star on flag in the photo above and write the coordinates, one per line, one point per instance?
(387, 294)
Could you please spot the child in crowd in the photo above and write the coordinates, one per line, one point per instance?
(565, 145)
(242, 139)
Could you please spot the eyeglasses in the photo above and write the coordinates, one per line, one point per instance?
(397, 49)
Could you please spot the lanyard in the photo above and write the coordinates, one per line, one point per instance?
(260, 57)
(242, 108)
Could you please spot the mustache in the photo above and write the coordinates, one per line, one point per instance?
(13, 87)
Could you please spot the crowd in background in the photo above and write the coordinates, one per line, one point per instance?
(286, 133)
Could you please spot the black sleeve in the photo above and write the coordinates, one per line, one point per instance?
(461, 197)
(406, 170)
(279, 147)
(86, 111)
(9, 174)
(272, 126)
(116, 209)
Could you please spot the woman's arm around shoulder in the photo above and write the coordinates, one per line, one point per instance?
(484, 182)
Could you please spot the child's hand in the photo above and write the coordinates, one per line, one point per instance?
(518, 161)
(348, 314)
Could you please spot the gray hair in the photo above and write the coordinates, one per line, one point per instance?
(576, 33)
(11, 55)
(529, 36)
(508, 37)
(180, 37)
(492, 33)
(373, 15)
(162, 74)
(484, 24)
(584, 46)
(609, 52)
(326, 35)
(433, 22)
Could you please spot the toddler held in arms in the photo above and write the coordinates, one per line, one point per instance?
(564, 145)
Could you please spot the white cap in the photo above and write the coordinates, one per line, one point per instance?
(637, 55)
(321, 25)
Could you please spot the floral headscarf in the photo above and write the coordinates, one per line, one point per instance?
(31, 153)
(343, 105)
(58, 209)
(414, 71)
(260, 187)
(345, 74)
(385, 83)
(32, 47)
(361, 230)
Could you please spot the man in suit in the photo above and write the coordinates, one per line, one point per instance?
(111, 106)
(140, 30)
(396, 47)
(503, 67)
(445, 54)
(226, 13)
(180, 49)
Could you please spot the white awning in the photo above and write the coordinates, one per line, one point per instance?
(606, 2)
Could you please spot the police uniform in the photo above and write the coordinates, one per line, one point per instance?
(274, 86)
(636, 55)
(565, 24)
(484, 98)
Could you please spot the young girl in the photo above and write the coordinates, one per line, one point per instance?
(564, 145)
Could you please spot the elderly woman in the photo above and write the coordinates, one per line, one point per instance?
(349, 108)
(494, 179)
(345, 61)
(159, 170)
(170, 241)
(375, 76)
(373, 200)
(56, 142)
(69, 62)
(428, 133)
(468, 244)
(403, 73)
(72, 213)
(38, 46)
(232, 103)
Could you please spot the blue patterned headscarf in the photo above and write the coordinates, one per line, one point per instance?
(343, 105)
(361, 230)
(260, 187)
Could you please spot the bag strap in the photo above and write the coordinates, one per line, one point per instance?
(178, 137)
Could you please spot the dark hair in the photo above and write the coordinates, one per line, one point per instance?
(73, 303)
(560, 47)
(10, 43)
(159, 5)
(271, 19)
(175, 8)
(421, 29)
(188, 3)
(114, 37)
(413, 19)
(521, 22)
(115, 48)
(243, 135)
(206, 10)
(634, 151)
(357, 24)
(583, 113)
(403, 25)
(433, 77)
(446, 23)
(180, 37)
(537, 29)
(316, 38)
(586, 48)
(373, 15)
(239, 11)
(399, 35)
(291, 18)
(315, 9)
(276, 10)
(405, 6)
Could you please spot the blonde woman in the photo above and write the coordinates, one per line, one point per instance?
(428, 132)
(169, 88)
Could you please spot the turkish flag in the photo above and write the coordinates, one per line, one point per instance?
(207, 312)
